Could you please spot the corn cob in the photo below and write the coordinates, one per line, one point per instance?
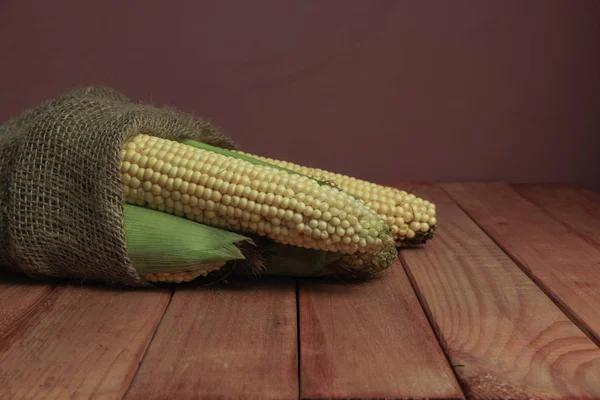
(411, 218)
(232, 193)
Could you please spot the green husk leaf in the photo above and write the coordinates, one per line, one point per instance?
(161, 242)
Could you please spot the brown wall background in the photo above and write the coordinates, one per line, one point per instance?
(382, 90)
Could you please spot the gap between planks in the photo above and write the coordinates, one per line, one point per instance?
(143, 356)
(298, 339)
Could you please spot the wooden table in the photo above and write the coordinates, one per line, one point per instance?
(503, 303)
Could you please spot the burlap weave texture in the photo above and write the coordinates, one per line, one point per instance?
(61, 205)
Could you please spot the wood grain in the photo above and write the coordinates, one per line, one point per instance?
(18, 298)
(81, 342)
(575, 207)
(504, 336)
(560, 261)
(369, 340)
(224, 341)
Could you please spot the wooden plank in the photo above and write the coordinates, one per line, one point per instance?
(234, 341)
(559, 261)
(81, 342)
(18, 297)
(504, 336)
(574, 207)
(369, 340)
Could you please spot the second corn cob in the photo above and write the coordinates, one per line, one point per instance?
(411, 218)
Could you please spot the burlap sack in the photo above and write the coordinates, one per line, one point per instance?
(61, 206)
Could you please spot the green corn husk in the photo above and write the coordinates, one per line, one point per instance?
(161, 242)
(158, 242)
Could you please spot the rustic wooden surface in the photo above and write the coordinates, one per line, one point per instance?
(18, 298)
(560, 261)
(503, 303)
(369, 340)
(233, 341)
(503, 335)
(80, 342)
(577, 208)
